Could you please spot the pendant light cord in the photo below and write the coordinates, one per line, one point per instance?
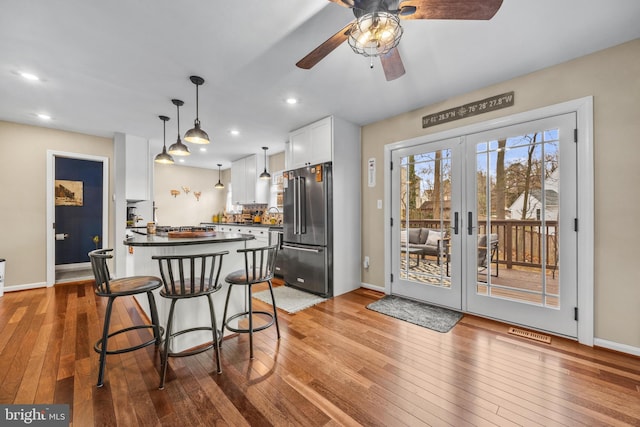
(197, 104)
(178, 108)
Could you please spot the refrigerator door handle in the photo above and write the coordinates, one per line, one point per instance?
(295, 205)
(302, 218)
(297, 248)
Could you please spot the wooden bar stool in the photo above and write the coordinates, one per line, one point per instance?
(259, 264)
(190, 276)
(112, 289)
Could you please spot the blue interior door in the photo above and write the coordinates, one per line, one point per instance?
(78, 210)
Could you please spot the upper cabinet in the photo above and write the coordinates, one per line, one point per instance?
(246, 188)
(133, 166)
(310, 145)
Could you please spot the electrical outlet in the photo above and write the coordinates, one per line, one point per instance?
(365, 263)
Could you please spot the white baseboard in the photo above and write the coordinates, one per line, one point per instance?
(623, 348)
(73, 267)
(25, 287)
(372, 287)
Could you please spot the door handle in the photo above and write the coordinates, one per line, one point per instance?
(296, 248)
(470, 226)
(455, 223)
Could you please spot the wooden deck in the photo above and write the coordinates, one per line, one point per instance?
(337, 364)
(516, 283)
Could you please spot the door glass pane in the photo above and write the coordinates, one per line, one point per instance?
(517, 190)
(425, 205)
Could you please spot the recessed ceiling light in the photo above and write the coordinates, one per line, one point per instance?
(29, 76)
(234, 132)
(44, 116)
(181, 160)
(291, 101)
(203, 149)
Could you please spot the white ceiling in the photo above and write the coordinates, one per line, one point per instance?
(114, 66)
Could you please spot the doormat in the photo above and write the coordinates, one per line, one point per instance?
(289, 299)
(530, 335)
(428, 316)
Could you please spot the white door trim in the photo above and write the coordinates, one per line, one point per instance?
(51, 216)
(583, 108)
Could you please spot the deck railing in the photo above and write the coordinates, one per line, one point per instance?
(520, 242)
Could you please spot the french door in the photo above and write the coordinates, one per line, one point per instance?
(522, 206)
(501, 207)
(427, 189)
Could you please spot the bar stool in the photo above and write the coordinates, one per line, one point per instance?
(112, 289)
(190, 276)
(259, 266)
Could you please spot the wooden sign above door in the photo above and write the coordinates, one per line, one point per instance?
(467, 110)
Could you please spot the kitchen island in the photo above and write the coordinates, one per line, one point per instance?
(195, 311)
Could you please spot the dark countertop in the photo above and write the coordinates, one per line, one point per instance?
(241, 224)
(160, 240)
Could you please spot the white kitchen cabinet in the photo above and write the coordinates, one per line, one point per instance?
(310, 145)
(336, 140)
(137, 168)
(246, 188)
(261, 233)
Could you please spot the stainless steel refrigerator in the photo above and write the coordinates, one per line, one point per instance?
(307, 248)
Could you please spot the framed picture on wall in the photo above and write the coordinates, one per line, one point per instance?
(68, 193)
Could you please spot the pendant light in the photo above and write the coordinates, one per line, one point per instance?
(265, 174)
(196, 135)
(164, 157)
(178, 148)
(219, 185)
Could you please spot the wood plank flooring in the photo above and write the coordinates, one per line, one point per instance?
(336, 364)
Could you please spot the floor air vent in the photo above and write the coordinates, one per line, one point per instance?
(530, 335)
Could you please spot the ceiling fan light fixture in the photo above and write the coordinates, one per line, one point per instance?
(219, 185)
(164, 157)
(178, 148)
(375, 33)
(196, 135)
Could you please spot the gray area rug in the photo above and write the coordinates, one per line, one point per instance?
(425, 315)
(289, 299)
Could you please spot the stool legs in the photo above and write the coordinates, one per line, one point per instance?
(275, 310)
(102, 345)
(103, 341)
(250, 330)
(165, 354)
(157, 333)
(216, 340)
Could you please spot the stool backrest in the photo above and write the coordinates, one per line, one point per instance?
(259, 263)
(190, 274)
(100, 269)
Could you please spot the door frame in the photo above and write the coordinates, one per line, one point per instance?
(583, 107)
(51, 210)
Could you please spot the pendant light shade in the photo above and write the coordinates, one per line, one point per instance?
(196, 135)
(164, 157)
(265, 174)
(219, 185)
(178, 148)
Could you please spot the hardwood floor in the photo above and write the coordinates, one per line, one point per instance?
(336, 364)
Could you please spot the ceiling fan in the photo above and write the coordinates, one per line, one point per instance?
(376, 29)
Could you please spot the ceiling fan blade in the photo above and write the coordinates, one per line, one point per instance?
(449, 9)
(317, 54)
(392, 64)
(345, 3)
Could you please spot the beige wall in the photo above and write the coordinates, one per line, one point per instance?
(23, 168)
(612, 76)
(185, 209)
